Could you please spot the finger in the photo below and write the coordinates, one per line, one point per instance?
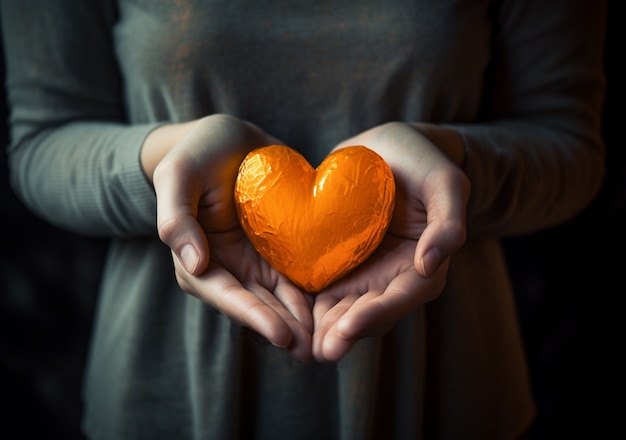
(327, 310)
(405, 293)
(298, 303)
(249, 310)
(176, 215)
(222, 291)
(375, 313)
(339, 338)
(323, 303)
(301, 342)
(301, 339)
(445, 199)
(332, 348)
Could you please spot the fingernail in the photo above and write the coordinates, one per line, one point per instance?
(189, 257)
(431, 261)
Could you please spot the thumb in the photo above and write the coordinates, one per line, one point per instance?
(177, 224)
(186, 239)
(445, 196)
(436, 244)
(445, 230)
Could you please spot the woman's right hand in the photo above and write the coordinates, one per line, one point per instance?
(193, 167)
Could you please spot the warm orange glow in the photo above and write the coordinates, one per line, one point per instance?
(314, 225)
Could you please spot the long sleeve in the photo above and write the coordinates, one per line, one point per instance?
(536, 157)
(87, 80)
(74, 160)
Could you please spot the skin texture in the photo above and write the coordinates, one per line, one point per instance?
(193, 167)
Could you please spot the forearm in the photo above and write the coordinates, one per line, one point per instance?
(534, 154)
(526, 177)
(86, 178)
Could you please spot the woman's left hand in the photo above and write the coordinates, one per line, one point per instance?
(410, 266)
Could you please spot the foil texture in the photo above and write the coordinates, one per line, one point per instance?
(314, 225)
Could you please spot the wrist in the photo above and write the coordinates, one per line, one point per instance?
(158, 143)
(446, 139)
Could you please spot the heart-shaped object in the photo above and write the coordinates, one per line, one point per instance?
(314, 225)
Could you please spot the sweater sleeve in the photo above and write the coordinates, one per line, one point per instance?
(73, 158)
(536, 157)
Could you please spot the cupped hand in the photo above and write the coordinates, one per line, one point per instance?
(194, 181)
(243, 286)
(196, 217)
(409, 268)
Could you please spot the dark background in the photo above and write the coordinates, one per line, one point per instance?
(569, 284)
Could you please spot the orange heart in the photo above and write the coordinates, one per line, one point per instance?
(314, 225)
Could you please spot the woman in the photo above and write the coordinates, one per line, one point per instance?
(129, 119)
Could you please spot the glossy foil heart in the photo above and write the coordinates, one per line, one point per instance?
(314, 225)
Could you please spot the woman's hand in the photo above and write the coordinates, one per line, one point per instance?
(243, 286)
(410, 266)
(193, 168)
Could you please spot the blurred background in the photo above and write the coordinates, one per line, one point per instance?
(569, 280)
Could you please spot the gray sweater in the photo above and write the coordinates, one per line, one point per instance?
(521, 81)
